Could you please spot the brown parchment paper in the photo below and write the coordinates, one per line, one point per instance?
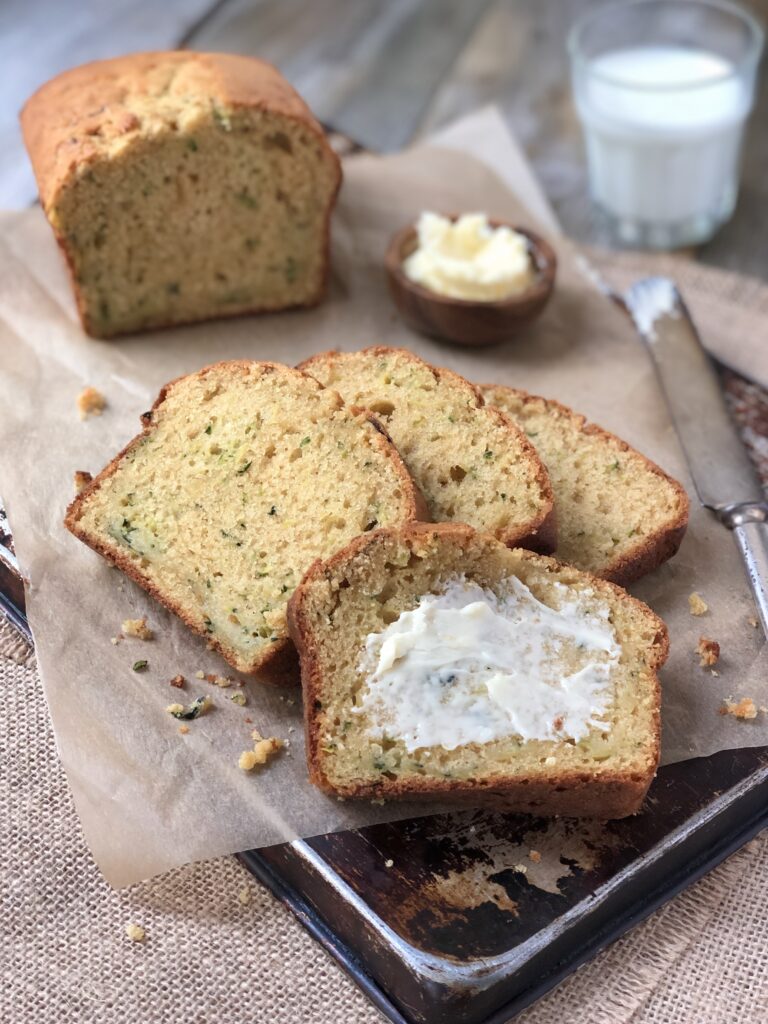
(149, 798)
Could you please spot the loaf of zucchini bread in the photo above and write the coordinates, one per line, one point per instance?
(436, 661)
(182, 186)
(470, 461)
(619, 515)
(243, 475)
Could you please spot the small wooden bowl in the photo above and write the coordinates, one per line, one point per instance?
(463, 321)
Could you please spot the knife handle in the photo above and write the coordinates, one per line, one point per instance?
(749, 524)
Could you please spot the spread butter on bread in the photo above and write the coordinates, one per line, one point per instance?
(438, 662)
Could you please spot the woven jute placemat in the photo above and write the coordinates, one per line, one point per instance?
(220, 950)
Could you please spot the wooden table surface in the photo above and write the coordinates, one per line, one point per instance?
(381, 71)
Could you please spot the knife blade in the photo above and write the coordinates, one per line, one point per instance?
(720, 467)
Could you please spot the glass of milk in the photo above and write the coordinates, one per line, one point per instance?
(663, 89)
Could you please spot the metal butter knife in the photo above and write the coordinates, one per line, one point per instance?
(722, 472)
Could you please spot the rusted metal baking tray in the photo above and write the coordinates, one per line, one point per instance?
(444, 920)
(468, 918)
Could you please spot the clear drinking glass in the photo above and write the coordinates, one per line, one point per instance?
(663, 89)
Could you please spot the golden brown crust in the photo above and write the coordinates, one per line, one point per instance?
(540, 534)
(656, 547)
(278, 663)
(420, 510)
(576, 793)
(65, 122)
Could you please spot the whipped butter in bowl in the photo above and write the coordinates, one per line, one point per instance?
(468, 258)
(469, 279)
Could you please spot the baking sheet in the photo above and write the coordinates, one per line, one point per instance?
(149, 798)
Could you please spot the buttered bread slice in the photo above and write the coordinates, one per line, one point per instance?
(244, 474)
(436, 661)
(619, 515)
(470, 461)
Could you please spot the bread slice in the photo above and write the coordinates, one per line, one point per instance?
(182, 186)
(423, 733)
(471, 463)
(243, 475)
(619, 515)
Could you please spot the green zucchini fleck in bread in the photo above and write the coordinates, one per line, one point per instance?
(347, 606)
(470, 461)
(619, 515)
(244, 474)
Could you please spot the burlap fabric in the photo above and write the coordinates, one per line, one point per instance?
(221, 950)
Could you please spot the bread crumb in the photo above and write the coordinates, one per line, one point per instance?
(389, 863)
(82, 479)
(261, 753)
(247, 761)
(244, 896)
(752, 620)
(696, 604)
(135, 932)
(222, 681)
(239, 699)
(137, 628)
(183, 729)
(199, 674)
(378, 803)
(178, 682)
(198, 707)
(115, 640)
(745, 708)
(521, 868)
(708, 651)
(535, 856)
(90, 402)
(264, 749)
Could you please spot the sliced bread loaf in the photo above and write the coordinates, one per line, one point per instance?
(244, 474)
(471, 462)
(182, 186)
(619, 515)
(436, 661)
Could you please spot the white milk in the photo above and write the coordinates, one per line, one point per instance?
(663, 129)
